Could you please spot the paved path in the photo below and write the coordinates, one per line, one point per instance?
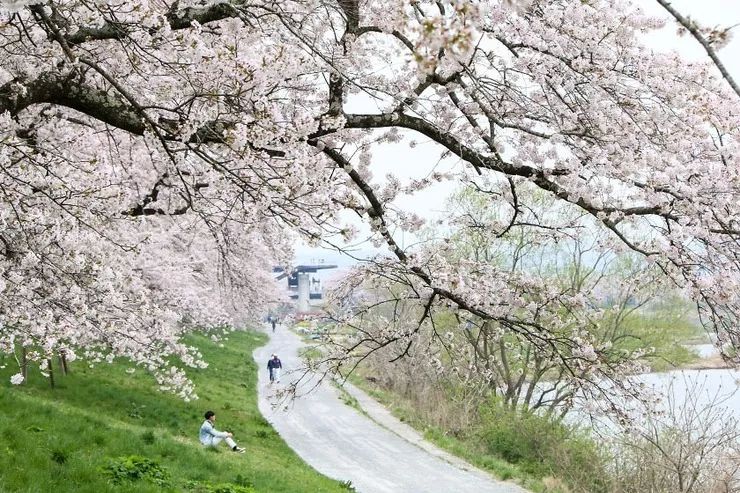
(342, 443)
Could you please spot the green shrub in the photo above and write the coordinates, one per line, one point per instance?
(347, 485)
(243, 481)
(543, 446)
(59, 456)
(135, 468)
(519, 437)
(135, 411)
(263, 434)
(148, 437)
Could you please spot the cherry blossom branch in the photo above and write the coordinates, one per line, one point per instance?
(70, 91)
(691, 27)
(475, 158)
(530, 331)
(176, 21)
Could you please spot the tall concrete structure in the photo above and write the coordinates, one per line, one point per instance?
(300, 282)
(304, 291)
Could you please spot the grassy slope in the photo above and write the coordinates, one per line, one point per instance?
(100, 413)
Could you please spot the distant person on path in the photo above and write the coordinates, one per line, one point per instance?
(273, 321)
(274, 366)
(210, 436)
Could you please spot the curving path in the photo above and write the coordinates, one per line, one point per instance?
(345, 444)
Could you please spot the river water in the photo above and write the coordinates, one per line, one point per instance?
(712, 393)
(705, 386)
(704, 350)
(702, 387)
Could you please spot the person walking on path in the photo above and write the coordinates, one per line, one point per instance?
(273, 320)
(274, 366)
(210, 436)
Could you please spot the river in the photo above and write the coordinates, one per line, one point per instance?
(708, 390)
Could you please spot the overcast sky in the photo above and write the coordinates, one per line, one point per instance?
(406, 163)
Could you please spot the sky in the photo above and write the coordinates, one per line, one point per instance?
(405, 163)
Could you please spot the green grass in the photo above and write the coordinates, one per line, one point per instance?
(62, 440)
(347, 398)
(478, 456)
(310, 353)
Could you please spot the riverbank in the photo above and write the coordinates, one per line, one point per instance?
(708, 358)
(708, 363)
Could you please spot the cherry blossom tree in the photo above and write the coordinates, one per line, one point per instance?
(599, 305)
(131, 128)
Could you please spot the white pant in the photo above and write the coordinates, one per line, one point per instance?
(275, 374)
(216, 440)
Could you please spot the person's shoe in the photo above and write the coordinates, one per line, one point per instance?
(240, 450)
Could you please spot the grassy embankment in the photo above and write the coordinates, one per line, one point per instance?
(80, 436)
(669, 331)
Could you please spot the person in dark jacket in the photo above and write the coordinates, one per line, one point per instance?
(273, 321)
(274, 366)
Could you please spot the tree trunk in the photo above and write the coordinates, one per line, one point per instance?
(63, 368)
(24, 364)
(51, 372)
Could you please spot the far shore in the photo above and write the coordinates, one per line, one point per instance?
(715, 362)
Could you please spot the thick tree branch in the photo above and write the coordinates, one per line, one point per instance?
(480, 160)
(177, 20)
(72, 92)
(351, 11)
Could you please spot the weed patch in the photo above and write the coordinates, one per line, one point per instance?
(148, 437)
(59, 456)
(136, 468)
(206, 487)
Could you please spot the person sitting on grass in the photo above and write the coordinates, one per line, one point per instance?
(210, 436)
